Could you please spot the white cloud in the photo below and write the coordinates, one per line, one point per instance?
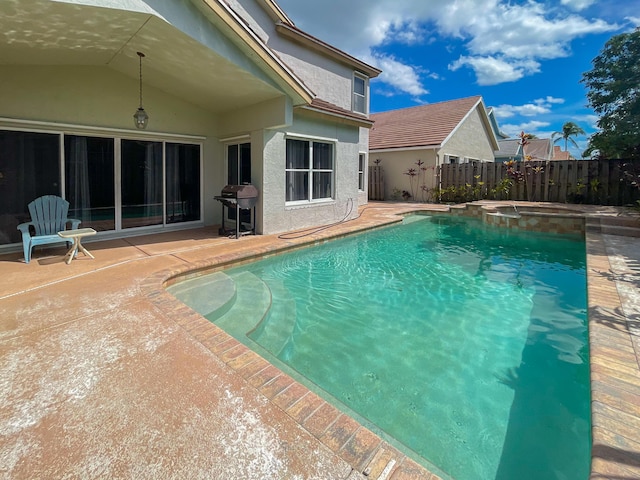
(492, 70)
(504, 41)
(401, 77)
(534, 127)
(577, 4)
(635, 21)
(539, 106)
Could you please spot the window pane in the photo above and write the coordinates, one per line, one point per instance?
(358, 85)
(29, 168)
(322, 185)
(322, 156)
(89, 181)
(297, 186)
(297, 154)
(358, 103)
(245, 163)
(183, 183)
(232, 165)
(141, 183)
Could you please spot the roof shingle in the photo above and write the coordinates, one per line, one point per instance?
(421, 126)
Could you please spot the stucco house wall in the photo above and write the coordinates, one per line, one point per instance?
(394, 165)
(260, 94)
(469, 140)
(277, 216)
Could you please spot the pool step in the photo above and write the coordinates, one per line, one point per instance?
(252, 302)
(276, 329)
(210, 295)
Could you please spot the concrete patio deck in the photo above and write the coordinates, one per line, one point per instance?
(105, 375)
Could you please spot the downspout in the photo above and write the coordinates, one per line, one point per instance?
(439, 185)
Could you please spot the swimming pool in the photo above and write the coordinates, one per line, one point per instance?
(464, 343)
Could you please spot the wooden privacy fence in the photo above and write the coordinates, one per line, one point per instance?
(376, 183)
(604, 182)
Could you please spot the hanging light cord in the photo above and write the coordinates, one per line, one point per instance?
(140, 54)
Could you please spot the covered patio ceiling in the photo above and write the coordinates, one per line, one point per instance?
(46, 32)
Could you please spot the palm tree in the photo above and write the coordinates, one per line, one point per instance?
(569, 130)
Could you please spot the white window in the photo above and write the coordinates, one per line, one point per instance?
(309, 170)
(359, 93)
(361, 170)
(452, 159)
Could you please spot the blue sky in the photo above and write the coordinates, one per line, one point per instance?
(525, 58)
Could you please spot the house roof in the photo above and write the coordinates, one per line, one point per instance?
(509, 148)
(423, 126)
(538, 149)
(559, 154)
(347, 116)
(294, 33)
(494, 124)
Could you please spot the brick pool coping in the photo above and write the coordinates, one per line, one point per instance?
(615, 376)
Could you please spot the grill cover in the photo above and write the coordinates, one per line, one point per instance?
(239, 191)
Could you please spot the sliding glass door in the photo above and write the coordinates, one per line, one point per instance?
(89, 181)
(141, 183)
(111, 183)
(183, 182)
(29, 168)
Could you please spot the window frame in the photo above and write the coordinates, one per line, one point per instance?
(357, 95)
(117, 135)
(362, 169)
(311, 170)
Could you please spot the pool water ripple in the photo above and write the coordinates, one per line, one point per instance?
(465, 343)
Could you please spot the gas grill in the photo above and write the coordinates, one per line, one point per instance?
(237, 198)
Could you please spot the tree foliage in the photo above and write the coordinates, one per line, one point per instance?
(614, 94)
(569, 129)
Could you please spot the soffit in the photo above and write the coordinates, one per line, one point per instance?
(43, 32)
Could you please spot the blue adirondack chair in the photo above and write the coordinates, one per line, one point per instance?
(48, 217)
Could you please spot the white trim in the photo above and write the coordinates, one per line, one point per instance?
(402, 149)
(364, 121)
(235, 139)
(117, 180)
(68, 128)
(364, 171)
(301, 136)
(310, 139)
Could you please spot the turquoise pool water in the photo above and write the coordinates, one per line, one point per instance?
(467, 344)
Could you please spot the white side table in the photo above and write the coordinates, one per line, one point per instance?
(76, 235)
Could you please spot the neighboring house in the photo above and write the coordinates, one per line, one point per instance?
(511, 149)
(559, 154)
(539, 149)
(235, 93)
(457, 131)
(500, 135)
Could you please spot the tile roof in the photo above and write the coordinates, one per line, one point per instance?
(538, 149)
(559, 154)
(336, 111)
(509, 148)
(424, 125)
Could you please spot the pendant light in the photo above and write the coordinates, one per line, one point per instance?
(140, 117)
